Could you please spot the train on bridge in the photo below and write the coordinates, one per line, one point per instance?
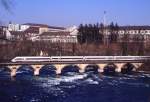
(77, 58)
(118, 63)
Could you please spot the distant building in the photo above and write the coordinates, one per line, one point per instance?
(56, 29)
(56, 37)
(43, 32)
(18, 35)
(131, 31)
(41, 27)
(73, 30)
(3, 32)
(29, 31)
(14, 27)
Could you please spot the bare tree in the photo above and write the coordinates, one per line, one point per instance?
(6, 4)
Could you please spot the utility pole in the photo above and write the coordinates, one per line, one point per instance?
(105, 29)
(106, 36)
(104, 18)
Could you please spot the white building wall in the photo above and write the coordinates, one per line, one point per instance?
(13, 27)
(8, 35)
(24, 27)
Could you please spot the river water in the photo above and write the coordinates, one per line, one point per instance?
(74, 87)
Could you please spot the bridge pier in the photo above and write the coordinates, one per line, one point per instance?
(119, 66)
(13, 70)
(137, 65)
(101, 67)
(37, 69)
(120, 63)
(82, 67)
(59, 68)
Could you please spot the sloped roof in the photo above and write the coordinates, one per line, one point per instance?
(53, 27)
(17, 33)
(44, 25)
(134, 27)
(32, 30)
(55, 34)
(36, 25)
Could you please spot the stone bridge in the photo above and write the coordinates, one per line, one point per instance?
(118, 63)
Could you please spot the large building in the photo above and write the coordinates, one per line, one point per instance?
(3, 32)
(132, 32)
(43, 32)
(59, 37)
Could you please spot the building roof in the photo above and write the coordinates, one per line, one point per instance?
(34, 30)
(17, 33)
(36, 25)
(44, 25)
(55, 34)
(134, 27)
(53, 27)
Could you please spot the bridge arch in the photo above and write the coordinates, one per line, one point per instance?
(110, 68)
(47, 70)
(25, 70)
(92, 68)
(128, 68)
(70, 68)
(144, 66)
(5, 71)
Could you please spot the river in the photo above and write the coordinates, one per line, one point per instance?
(74, 87)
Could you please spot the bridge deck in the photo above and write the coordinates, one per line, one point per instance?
(78, 62)
(83, 60)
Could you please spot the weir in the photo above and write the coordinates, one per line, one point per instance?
(102, 62)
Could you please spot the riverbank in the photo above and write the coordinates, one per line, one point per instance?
(28, 48)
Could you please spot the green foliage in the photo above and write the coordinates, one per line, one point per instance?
(94, 33)
(89, 33)
(113, 32)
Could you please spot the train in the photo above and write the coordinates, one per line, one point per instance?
(75, 58)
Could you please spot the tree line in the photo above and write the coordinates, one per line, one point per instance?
(89, 34)
(97, 33)
(107, 35)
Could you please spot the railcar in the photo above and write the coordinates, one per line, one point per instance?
(47, 59)
(30, 59)
(75, 58)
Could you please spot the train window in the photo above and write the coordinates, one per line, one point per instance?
(37, 58)
(18, 59)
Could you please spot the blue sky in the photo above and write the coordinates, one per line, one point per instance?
(74, 12)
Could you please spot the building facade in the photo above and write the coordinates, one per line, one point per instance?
(132, 32)
(57, 37)
(43, 32)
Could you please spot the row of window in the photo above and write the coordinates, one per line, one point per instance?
(135, 31)
(58, 40)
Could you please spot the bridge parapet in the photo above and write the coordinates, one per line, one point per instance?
(82, 64)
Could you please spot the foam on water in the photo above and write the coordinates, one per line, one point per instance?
(74, 79)
(50, 81)
(55, 86)
(79, 85)
(91, 81)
